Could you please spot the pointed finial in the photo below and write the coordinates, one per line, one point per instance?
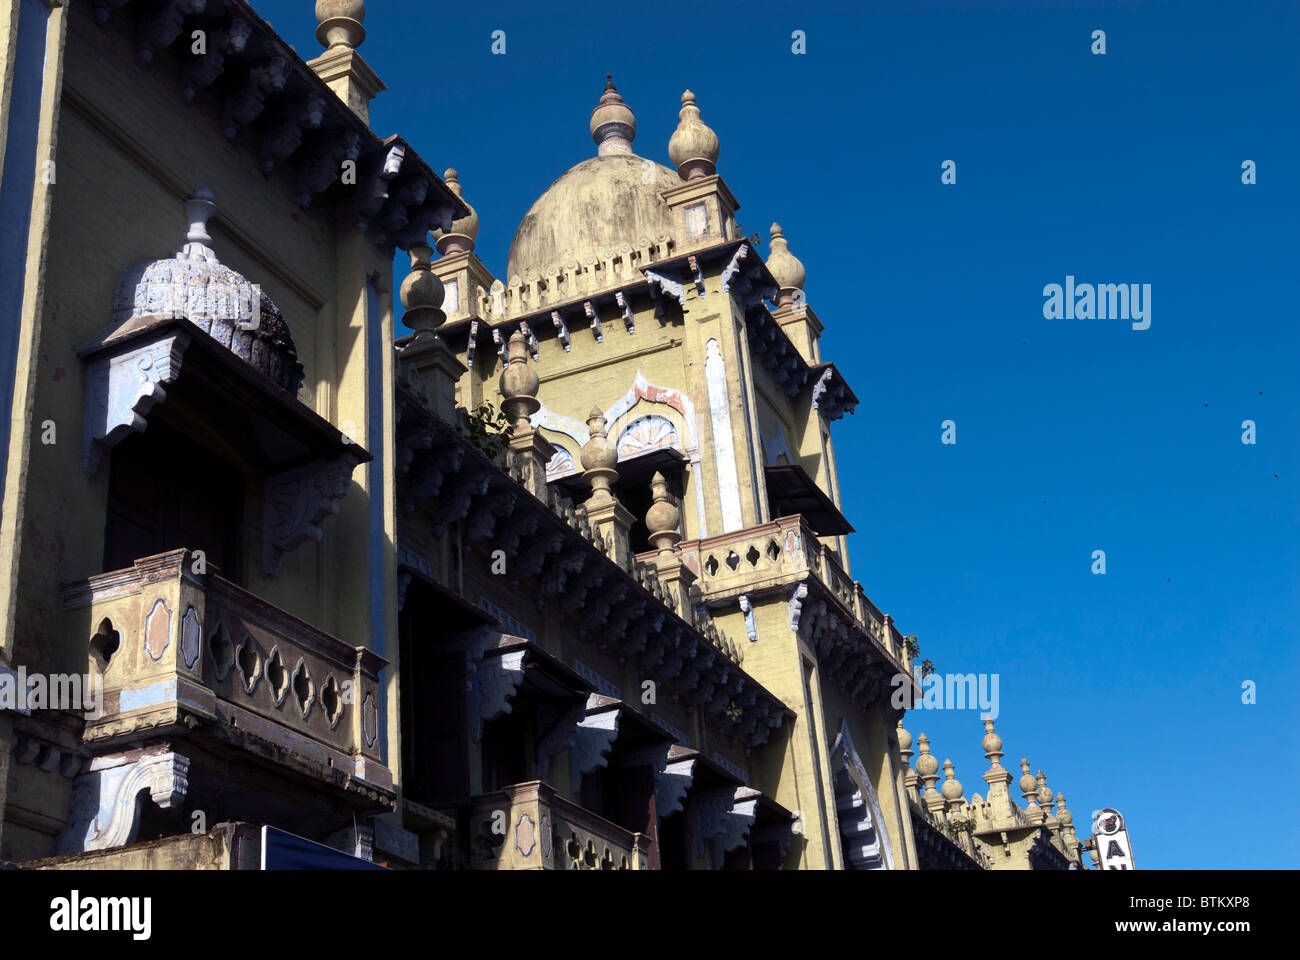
(1062, 814)
(663, 518)
(926, 765)
(463, 231)
(952, 788)
(599, 458)
(1028, 783)
(785, 268)
(613, 125)
(693, 147)
(1045, 795)
(519, 384)
(340, 23)
(992, 745)
(422, 293)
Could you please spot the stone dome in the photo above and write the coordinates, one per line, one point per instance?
(194, 285)
(598, 204)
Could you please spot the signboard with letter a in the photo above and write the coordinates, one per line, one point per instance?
(1114, 849)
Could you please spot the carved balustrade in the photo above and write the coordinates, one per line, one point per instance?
(528, 826)
(186, 654)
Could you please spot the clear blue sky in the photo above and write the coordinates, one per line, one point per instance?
(1073, 435)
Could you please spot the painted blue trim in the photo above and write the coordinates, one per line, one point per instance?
(375, 442)
(16, 191)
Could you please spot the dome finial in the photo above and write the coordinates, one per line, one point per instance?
(340, 23)
(693, 147)
(198, 243)
(463, 231)
(613, 125)
(786, 269)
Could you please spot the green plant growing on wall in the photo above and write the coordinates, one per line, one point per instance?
(489, 430)
(961, 826)
(733, 712)
(914, 650)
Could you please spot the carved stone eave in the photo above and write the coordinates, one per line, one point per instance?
(831, 394)
(259, 88)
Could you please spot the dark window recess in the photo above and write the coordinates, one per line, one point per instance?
(672, 843)
(435, 754)
(505, 748)
(166, 492)
(633, 488)
(625, 796)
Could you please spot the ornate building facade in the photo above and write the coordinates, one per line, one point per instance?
(558, 581)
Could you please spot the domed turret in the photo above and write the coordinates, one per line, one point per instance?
(614, 198)
(693, 147)
(194, 285)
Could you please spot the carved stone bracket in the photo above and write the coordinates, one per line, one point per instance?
(595, 737)
(298, 501)
(122, 388)
(721, 819)
(106, 801)
(497, 681)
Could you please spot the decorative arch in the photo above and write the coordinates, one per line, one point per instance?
(647, 433)
(640, 390)
(560, 465)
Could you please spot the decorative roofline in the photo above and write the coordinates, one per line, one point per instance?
(266, 90)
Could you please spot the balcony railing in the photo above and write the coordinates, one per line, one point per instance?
(527, 826)
(191, 654)
(779, 552)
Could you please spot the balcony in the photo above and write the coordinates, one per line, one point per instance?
(527, 826)
(776, 555)
(201, 680)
